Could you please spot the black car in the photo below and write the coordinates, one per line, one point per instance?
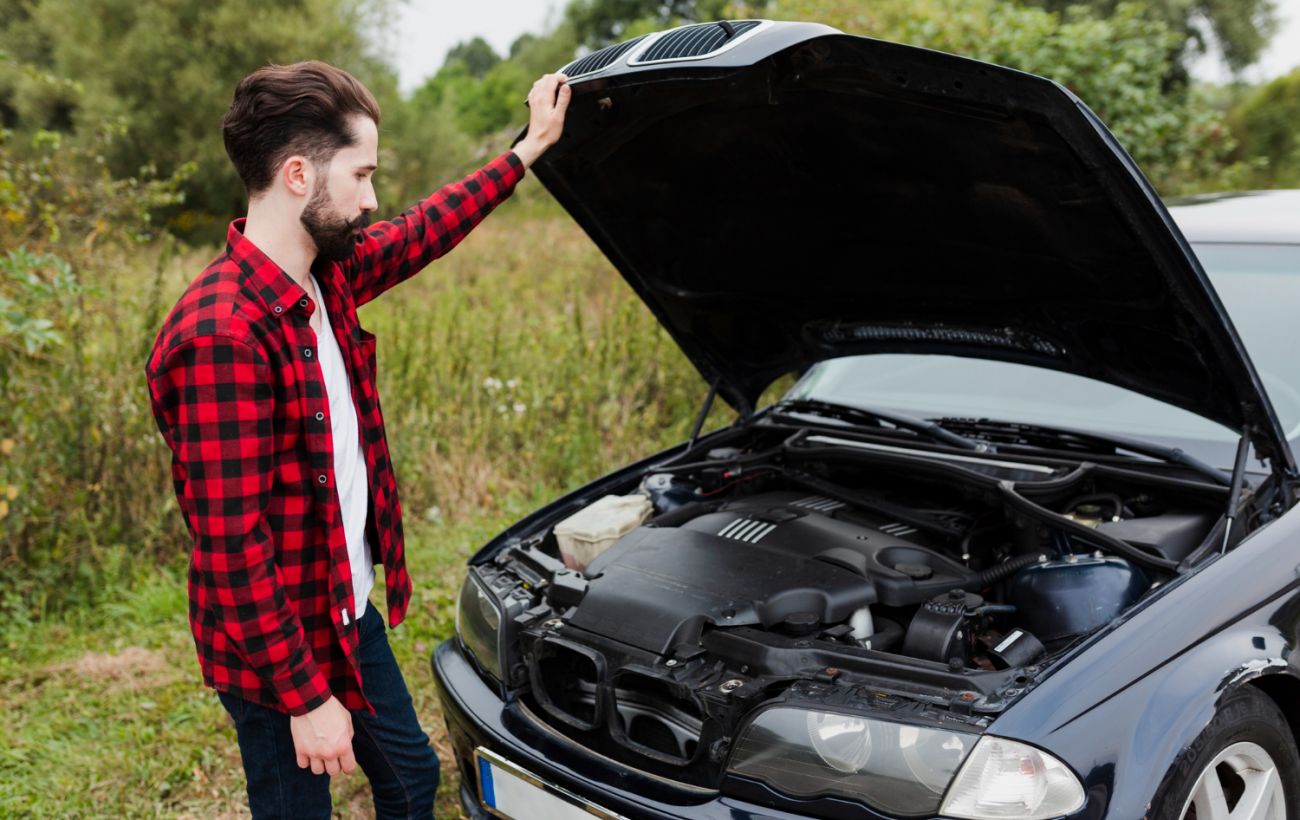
(1017, 542)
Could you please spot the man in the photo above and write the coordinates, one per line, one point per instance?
(262, 383)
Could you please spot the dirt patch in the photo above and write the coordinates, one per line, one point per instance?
(132, 668)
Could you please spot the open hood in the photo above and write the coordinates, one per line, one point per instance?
(782, 193)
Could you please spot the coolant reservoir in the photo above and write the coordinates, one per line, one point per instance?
(1074, 595)
(590, 531)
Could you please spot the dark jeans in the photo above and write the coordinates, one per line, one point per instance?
(390, 746)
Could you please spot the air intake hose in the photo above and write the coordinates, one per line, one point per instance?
(1006, 569)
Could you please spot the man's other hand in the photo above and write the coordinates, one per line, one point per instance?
(547, 103)
(322, 739)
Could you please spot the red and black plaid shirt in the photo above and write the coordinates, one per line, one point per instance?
(238, 395)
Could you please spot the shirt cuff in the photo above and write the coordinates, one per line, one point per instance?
(303, 687)
(510, 166)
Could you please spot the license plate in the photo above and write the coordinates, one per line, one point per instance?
(510, 792)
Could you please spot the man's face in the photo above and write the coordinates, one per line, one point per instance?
(343, 194)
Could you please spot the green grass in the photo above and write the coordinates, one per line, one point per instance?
(106, 714)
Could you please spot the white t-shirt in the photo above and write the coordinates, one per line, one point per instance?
(349, 464)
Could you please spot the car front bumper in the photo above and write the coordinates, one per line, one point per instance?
(478, 718)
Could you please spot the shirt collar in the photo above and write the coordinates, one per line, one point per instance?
(278, 289)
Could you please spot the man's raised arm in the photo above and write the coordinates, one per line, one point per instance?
(391, 252)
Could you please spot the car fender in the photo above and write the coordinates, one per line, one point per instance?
(1124, 748)
(1122, 707)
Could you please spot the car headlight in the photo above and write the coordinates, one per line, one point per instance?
(478, 623)
(904, 768)
(1006, 780)
(889, 766)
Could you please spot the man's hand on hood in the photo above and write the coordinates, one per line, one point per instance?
(547, 102)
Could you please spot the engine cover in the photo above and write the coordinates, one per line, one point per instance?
(755, 562)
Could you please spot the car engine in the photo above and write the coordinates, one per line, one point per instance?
(797, 564)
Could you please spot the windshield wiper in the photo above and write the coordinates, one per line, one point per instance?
(862, 415)
(1099, 441)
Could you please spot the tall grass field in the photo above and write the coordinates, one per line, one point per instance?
(516, 368)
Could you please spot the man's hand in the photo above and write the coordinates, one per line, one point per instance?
(547, 103)
(323, 739)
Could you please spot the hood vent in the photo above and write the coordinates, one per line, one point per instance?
(694, 42)
(599, 60)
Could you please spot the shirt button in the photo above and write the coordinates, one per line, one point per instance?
(306, 351)
(320, 416)
(322, 479)
(279, 309)
(302, 303)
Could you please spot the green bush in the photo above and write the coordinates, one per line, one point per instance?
(79, 468)
(1268, 124)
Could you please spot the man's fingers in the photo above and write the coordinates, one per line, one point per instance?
(562, 99)
(332, 766)
(303, 761)
(348, 762)
(545, 90)
(317, 766)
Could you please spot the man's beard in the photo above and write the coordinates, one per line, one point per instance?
(335, 237)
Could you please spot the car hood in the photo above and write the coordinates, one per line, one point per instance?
(801, 194)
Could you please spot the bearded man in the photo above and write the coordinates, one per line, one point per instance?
(262, 382)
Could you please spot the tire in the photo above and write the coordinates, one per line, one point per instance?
(1247, 735)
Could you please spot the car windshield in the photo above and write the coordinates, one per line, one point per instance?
(1259, 284)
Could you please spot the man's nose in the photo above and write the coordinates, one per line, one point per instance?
(368, 200)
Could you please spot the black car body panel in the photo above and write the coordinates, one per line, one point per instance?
(476, 717)
(1122, 709)
(785, 203)
(1115, 294)
(1119, 709)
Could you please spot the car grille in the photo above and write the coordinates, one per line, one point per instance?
(654, 722)
(599, 60)
(627, 714)
(694, 41)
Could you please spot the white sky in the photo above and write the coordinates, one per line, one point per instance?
(426, 29)
(1283, 52)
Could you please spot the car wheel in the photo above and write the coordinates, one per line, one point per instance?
(1243, 766)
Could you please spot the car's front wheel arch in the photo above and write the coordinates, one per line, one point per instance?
(1284, 690)
(1247, 718)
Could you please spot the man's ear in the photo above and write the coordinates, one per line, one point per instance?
(298, 175)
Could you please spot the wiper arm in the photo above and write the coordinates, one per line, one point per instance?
(1172, 455)
(859, 415)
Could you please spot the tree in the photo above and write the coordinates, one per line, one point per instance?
(1266, 121)
(1240, 28)
(476, 55)
(166, 71)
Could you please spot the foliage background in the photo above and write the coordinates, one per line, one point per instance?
(517, 368)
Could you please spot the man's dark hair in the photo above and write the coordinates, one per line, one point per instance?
(282, 110)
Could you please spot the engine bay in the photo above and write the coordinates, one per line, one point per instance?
(790, 564)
